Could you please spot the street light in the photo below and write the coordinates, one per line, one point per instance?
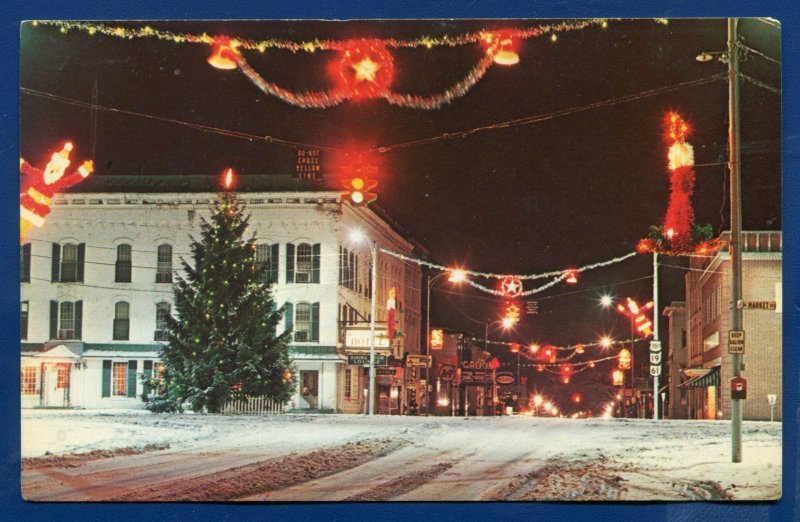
(359, 236)
(457, 275)
(606, 301)
(506, 326)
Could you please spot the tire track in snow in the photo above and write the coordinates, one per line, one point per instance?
(402, 484)
(235, 483)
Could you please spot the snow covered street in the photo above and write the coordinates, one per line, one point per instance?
(137, 456)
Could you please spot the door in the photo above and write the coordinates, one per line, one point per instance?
(711, 403)
(55, 385)
(309, 389)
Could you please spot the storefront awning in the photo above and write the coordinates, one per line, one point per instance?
(708, 377)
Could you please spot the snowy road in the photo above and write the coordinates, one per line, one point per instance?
(78, 456)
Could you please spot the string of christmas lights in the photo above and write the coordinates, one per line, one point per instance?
(311, 46)
(560, 275)
(364, 68)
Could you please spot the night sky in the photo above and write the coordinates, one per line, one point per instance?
(556, 194)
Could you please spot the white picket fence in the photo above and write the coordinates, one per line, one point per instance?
(252, 405)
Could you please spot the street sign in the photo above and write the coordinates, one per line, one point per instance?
(655, 358)
(476, 377)
(736, 341)
(447, 372)
(655, 371)
(418, 360)
(655, 346)
(362, 359)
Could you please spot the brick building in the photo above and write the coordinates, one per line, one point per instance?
(707, 371)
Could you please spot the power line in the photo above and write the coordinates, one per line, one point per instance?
(552, 115)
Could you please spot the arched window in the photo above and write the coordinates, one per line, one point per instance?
(122, 272)
(164, 267)
(122, 323)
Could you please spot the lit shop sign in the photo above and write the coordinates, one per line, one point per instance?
(358, 339)
(437, 339)
(475, 365)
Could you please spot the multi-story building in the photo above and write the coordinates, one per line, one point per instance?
(676, 405)
(96, 285)
(708, 367)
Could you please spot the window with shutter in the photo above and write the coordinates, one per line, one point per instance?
(263, 262)
(69, 263)
(66, 320)
(23, 320)
(304, 263)
(119, 379)
(302, 322)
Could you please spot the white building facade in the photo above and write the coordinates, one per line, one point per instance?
(96, 284)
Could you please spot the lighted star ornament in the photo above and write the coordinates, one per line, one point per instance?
(511, 286)
(38, 187)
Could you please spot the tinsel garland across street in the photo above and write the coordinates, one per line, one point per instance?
(361, 68)
(560, 275)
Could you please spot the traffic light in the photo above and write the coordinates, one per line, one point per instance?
(359, 187)
(512, 313)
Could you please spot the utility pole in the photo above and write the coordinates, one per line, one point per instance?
(735, 245)
(655, 346)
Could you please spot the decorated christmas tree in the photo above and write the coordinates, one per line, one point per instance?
(222, 333)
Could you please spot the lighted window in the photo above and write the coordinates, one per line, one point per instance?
(66, 320)
(122, 323)
(304, 263)
(122, 272)
(158, 371)
(62, 376)
(28, 380)
(119, 379)
(69, 263)
(164, 267)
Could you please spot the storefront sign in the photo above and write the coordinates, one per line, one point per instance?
(358, 339)
(362, 359)
(437, 339)
(475, 365)
(505, 378)
(476, 377)
(447, 372)
(418, 360)
(390, 372)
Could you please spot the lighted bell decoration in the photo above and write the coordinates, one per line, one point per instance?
(505, 53)
(616, 376)
(222, 56)
(514, 348)
(624, 359)
(572, 277)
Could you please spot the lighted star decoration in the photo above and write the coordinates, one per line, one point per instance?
(366, 70)
(511, 286)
